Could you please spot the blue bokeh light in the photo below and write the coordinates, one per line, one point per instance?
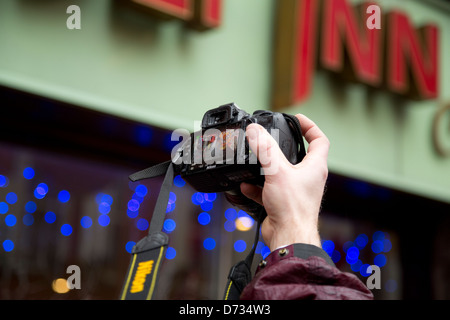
(259, 247)
(28, 219)
(132, 214)
(11, 198)
(42, 189)
(28, 173)
(364, 270)
(230, 214)
(66, 230)
(356, 266)
(10, 220)
(335, 256)
(204, 218)
(229, 225)
(353, 252)
(3, 207)
(106, 198)
(86, 222)
(377, 246)
(265, 251)
(206, 206)
(103, 197)
(169, 225)
(30, 207)
(98, 197)
(64, 196)
(133, 205)
(50, 217)
(240, 245)
(387, 245)
(179, 182)
(104, 208)
(37, 195)
(172, 197)
(137, 198)
(210, 197)
(209, 243)
(361, 241)
(197, 198)
(129, 246)
(3, 181)
(352, 255)
(8, 245)
(141, 190)
(170, 207)
(103, 220)
(142, 224)
(378, 235)
(328, 246)
(170, 253)
(380, 260)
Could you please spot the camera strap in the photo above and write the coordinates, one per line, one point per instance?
(240, 274)
(149, 252)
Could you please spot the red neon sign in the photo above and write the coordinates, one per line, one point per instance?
(363, 45)
(407, 45)
(202, 14)
(343, 33)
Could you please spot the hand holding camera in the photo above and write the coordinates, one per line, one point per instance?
(259, 161)
(218, 158)
(292, 196)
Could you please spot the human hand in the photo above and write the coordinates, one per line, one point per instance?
(292, 194)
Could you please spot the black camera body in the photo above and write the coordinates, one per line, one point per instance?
(218, 158)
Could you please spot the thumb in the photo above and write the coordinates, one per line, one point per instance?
(266, 149)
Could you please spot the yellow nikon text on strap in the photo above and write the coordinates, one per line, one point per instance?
(143, 270)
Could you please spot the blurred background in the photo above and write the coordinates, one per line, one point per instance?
(88, 97)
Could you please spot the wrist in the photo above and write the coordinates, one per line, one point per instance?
(283, 239)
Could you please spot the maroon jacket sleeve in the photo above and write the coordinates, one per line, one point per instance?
(303, 271)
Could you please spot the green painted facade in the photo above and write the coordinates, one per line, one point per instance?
(159, 72)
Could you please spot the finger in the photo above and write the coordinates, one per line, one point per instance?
(252, 192)
(319, 144)
(266, 149)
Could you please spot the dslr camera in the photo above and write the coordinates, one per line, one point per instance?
(218, 158)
